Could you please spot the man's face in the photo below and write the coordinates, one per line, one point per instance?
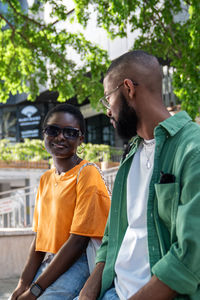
(122, 115)
(126, 124)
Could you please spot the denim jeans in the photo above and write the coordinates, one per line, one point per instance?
(69, 284)
(109, 295)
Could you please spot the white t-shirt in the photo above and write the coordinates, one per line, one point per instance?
(132, 265)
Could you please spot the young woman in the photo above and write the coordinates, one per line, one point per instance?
(71, 209)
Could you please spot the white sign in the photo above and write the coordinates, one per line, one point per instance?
(6, 206)
(29, 111)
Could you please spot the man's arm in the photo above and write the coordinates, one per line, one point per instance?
(154, 290)
(92, 287)
(34, 261)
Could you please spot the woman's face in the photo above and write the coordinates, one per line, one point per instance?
(60, 146)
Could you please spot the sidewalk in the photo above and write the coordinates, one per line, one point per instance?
(7, 286)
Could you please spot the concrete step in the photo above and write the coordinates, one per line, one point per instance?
(7, 286)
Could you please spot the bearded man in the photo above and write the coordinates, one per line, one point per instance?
(151, 246)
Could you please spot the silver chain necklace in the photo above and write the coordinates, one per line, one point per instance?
(148, 153)
(63, 173)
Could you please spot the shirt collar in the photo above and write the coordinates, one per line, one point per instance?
(175, 122)
(172, 124)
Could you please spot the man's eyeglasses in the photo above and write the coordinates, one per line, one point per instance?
(68, 132)
(104, 99)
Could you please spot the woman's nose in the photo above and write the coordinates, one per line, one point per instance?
(60, 136)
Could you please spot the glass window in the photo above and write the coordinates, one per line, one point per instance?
(9, 121)
(99, 130)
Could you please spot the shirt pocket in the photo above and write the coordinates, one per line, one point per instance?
(167, 201)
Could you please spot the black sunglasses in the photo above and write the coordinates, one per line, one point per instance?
(68, 132)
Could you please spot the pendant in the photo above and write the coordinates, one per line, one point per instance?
(148, 164)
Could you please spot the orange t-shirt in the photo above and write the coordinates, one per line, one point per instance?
(66, 205)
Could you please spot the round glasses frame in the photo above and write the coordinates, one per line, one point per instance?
(104, 99)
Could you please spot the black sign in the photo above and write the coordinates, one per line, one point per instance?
(29, 122)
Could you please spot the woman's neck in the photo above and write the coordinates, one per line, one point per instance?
(66, 164)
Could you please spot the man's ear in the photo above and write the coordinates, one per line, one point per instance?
(128, 84)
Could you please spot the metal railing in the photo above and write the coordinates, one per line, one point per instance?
(17, 205)
(110, 175)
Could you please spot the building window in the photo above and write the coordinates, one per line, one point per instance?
(99, 130)
(9, 121)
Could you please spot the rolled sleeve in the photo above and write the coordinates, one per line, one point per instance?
(176, 275)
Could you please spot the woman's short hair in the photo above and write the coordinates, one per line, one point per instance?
(70, 109)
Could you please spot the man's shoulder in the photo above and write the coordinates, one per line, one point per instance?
(181, 125)
(191, 131)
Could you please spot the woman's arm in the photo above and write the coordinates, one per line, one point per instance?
(62, 261)
(34, 261)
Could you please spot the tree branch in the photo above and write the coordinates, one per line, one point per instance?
(30, 45)
(157, 13)
(6, 20)
(25, 16)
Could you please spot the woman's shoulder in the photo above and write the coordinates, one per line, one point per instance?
(91, 174)
(89, 167)
(47, 174)
(89, 171)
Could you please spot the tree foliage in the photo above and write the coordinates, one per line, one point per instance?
(34, 150)
(169, 29)
(34, 54)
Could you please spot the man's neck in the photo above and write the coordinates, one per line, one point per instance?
(148, 124)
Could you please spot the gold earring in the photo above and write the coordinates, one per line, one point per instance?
(42, 146)
(81, 149)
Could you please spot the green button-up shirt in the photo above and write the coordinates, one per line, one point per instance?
(173, 211)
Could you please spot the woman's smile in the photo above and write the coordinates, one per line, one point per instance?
(59, 145)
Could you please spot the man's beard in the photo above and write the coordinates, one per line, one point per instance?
(127, 120)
